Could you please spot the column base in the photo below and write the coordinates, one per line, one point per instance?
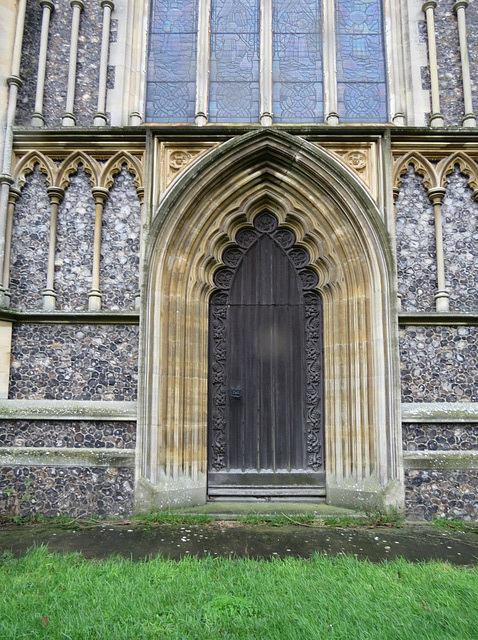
(49, 300)
(94, 300)
(332, 119)
(437, 120)
(37, 120)
(442, 301)
(68, 120)
(469, 120)
(368, 496)
(100, 120)
(169, 494)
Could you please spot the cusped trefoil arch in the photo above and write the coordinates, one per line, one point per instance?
(26, 165)
(467, 166)
(70, 165)
(114, 165)
(422, 166)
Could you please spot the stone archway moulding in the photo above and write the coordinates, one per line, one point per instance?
(335, 218)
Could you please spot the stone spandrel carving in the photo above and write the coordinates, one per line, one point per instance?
(176, 158)
(360, 158)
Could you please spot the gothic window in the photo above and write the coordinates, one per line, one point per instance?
(239, 60)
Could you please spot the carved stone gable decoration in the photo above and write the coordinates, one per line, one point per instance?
(265, 224)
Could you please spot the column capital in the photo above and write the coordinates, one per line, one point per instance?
(436, 194)
(461, 4)
(55, 194)
(430, 4)
(77, 3)
(6, 178)
(47, 4)
(14, 195)
(100, 194)
(108, 3)
(15, 80)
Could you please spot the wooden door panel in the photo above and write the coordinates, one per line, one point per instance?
(265, 434)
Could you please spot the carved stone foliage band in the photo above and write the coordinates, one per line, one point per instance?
(232, 256)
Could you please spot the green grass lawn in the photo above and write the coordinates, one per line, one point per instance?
(44, 595)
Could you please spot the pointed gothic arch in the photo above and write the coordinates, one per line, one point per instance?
(338, 223)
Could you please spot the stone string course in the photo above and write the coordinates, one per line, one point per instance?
(29, 255)
(440, 437)
(119, 267)
(439, 364)
(71, 491)
(416, 254)
(74, 245)
(59, 433)
(460, 241)
(434, 494)
(74, 362)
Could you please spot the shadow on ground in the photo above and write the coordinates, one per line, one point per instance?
(226, 538)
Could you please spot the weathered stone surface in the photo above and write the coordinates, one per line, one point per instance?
(460, 241)
(61, 433)
(74, 246)
(74, 362)
(439, 364)
(449, 63)
(416, 253)
(440, 437)
(432, 494)
(119, 272)
(73, 491)
(29, 255)
(29, 62)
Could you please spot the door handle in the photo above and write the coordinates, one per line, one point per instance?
(236, 392)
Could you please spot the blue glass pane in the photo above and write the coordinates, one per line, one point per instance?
(234, 64)
(171, 83)
(361, 73)
(297, 61)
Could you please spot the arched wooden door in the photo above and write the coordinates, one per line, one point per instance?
(265, 369)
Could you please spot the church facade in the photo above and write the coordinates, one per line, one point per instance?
(239, 255)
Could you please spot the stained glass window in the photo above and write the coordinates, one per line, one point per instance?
(171, 85)
(234, 64)
(361, 77)
(297, 61)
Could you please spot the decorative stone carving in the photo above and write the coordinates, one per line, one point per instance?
(361, 158)
(175, 158)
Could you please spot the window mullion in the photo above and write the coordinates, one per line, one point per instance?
(202, 69)
(330, 68)
(266, 62)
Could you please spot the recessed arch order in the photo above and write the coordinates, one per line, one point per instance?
(336, 220)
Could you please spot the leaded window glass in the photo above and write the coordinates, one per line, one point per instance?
(234, 64)
(361, 77)
(229, 80)
(171, 85)
(297, 61)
